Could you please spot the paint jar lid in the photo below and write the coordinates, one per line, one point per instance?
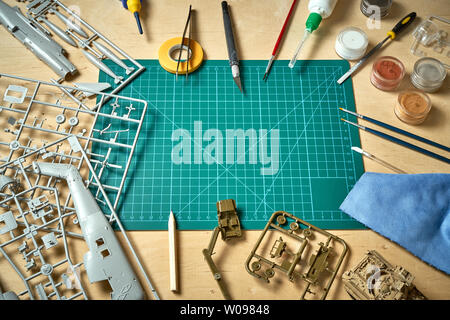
(351, 43)
(428, 74)
(370, 7)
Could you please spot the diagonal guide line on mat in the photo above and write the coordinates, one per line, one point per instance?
(196, 143)
(296, 143)
(289, 173)
(255, 144)
(250, 148)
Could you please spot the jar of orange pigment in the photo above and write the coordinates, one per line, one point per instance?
(387, 73)
(412, 106)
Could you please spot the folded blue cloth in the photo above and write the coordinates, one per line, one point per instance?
(412, 210)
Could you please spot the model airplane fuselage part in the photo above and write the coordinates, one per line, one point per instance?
(43, 47)
(106, 259)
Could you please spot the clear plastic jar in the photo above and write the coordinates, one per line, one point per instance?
(412, 106)
(428, 74)
(387, 73)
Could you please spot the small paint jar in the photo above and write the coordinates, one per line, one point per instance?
(351, 43)
(387, 73)
(371, 7)
(428, 74)
(412, 106)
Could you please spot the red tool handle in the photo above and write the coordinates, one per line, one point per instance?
(275, 49)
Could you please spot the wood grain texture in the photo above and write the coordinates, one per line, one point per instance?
(256, 25)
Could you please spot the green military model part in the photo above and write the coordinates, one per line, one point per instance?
(320, 269)
(374, 278)
(229, 227)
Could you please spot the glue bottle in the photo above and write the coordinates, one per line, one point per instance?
(318, 10)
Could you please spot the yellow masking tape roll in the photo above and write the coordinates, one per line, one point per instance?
(168, 55)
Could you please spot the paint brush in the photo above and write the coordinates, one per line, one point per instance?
(277, 44)
(376, 159)
(398, 130)
(399, 141)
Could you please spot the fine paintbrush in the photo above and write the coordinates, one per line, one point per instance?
(277, 44)
(398, 130)
(376, 159)
(399, 141)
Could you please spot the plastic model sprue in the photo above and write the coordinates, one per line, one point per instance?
(51, 188)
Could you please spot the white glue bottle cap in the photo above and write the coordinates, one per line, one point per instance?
(351, 43)
(322, 7)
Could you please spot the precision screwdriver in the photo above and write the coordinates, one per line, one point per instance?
(406, 21)
(135, 7)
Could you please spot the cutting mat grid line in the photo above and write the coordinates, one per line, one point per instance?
(194, 121)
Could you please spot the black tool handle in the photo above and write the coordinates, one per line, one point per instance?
(232, 53)
(402, 25)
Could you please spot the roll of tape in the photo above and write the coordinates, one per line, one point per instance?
(168, 55)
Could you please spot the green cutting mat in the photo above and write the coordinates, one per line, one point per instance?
(188, 158)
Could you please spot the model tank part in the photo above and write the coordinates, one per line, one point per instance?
(317, 263)
(374, 278)
(105, 260)
(317, 269)
(45, 48)
(229, 227)
(278, 248)
(228, 219)
(207, 253)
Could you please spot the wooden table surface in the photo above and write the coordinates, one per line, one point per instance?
(256, 25)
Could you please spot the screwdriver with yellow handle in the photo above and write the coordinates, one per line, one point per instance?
(405, 22)
(135, 7)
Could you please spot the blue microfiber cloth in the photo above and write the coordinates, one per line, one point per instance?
(412, 210)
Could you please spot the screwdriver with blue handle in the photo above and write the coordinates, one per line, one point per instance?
(135, 7)
(406, 21)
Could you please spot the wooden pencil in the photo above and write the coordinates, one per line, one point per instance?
(173, 253)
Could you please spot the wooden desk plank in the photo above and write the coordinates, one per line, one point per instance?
(257, 24)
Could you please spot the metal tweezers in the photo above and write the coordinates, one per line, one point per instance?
(182, 44)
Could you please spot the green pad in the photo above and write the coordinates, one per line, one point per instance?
(279, 146)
